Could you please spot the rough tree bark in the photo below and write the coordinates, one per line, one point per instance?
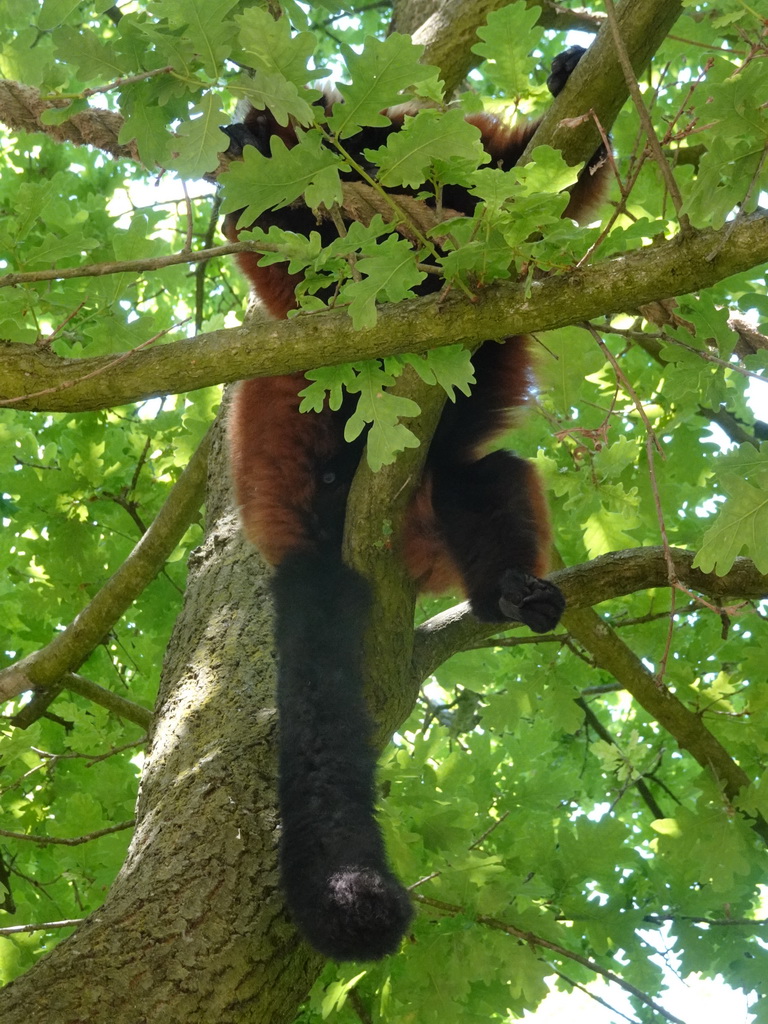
(193, 928)
(447, 29)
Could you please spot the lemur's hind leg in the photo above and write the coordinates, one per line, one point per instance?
(493, 520)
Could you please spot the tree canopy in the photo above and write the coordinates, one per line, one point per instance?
(565, 808)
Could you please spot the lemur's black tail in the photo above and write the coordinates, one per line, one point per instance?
(337, 883)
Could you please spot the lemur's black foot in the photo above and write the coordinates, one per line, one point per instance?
(525, 598)
(562, 66)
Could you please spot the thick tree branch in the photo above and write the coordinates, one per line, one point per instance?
(376, 510)
(612, 576)
(70, 648)
(31, 378)
(609, 576)
(448, 29)
(612, 655)
(21, 108)
(113, 702)
(567, 19)
(598, 84)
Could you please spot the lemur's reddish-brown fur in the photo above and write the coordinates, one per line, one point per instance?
(478, 524)
(276, 450)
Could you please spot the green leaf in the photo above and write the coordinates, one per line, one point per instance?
(205, 23)
(267, 45)
(379, 77)
(200, 139)
(54, 250)
(260, 183)
(432, 136)
(54, 12)
(507, 39)
(383, 411)
(148, 127)
(297, 250)
(732, 169)
(546, 173)
(450, 366)
(281, 97)
(332, 381)
(570, 356)
(93, 59)
(389, 274)
(606, 531)
(741, 525)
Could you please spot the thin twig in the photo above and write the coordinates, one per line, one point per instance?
(645, 118)
(593, 995)
(492, 828)
(536, 940)
(624, 382)
(117, 83)
(359, 1006)
(473, 845)
(715, 922)
(92, 759)
(68, 841)
(645, 794)
(132, 266)
(16, 929)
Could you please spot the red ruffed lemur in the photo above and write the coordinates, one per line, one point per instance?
(478, 525)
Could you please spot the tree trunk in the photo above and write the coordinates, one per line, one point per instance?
(193, 928)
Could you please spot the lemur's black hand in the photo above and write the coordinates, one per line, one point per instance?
(256, 133)
(562, 66)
